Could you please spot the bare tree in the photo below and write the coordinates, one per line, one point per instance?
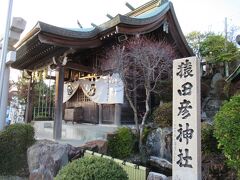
(141, 63)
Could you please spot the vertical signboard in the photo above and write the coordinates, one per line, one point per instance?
(186, 119)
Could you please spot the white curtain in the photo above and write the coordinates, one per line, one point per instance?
(104, 89)
(69, 90)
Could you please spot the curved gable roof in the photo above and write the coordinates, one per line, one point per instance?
(45, 39)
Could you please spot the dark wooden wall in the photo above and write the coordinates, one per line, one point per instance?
(108, 113)
(90, 109)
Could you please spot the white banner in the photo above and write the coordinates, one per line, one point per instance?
(103, 89)
(69, 90)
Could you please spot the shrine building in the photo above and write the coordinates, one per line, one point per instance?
(85, 91)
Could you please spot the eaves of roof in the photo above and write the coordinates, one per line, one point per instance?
(45, 38)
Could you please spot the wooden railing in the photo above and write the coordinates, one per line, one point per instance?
(134, 171)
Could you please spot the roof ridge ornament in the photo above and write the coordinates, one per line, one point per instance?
(162, 2)
(109, 16)
(79, 24)
(93, 25)
(130, 6)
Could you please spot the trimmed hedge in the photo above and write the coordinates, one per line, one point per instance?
(14, 141)
(227, 131)
(92, 168)
(121, 145)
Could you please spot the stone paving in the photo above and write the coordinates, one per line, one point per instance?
(74, 134)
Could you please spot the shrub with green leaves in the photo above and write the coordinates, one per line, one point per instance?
(227, 131)
(209, 142)
(121, 145)
(162, 115)
(14, 141)
(92, 168)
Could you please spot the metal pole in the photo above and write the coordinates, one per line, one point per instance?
(4, 102)
(225, 46)
(3, 56)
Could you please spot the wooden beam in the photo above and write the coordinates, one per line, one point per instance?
(79, 67)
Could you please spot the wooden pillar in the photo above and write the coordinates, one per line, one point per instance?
(57, 131)
(117, 114)
(100, 115)
(29, 106)
(31, 103)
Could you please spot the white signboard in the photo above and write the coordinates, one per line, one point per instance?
(186, 119)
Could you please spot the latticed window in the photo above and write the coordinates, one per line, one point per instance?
(81, 97)
(78, 98)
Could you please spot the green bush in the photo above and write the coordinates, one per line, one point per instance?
(227, 131)
(121, 145)
(92, 168)
(162, 115)
(209, 142)
(14, 141)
